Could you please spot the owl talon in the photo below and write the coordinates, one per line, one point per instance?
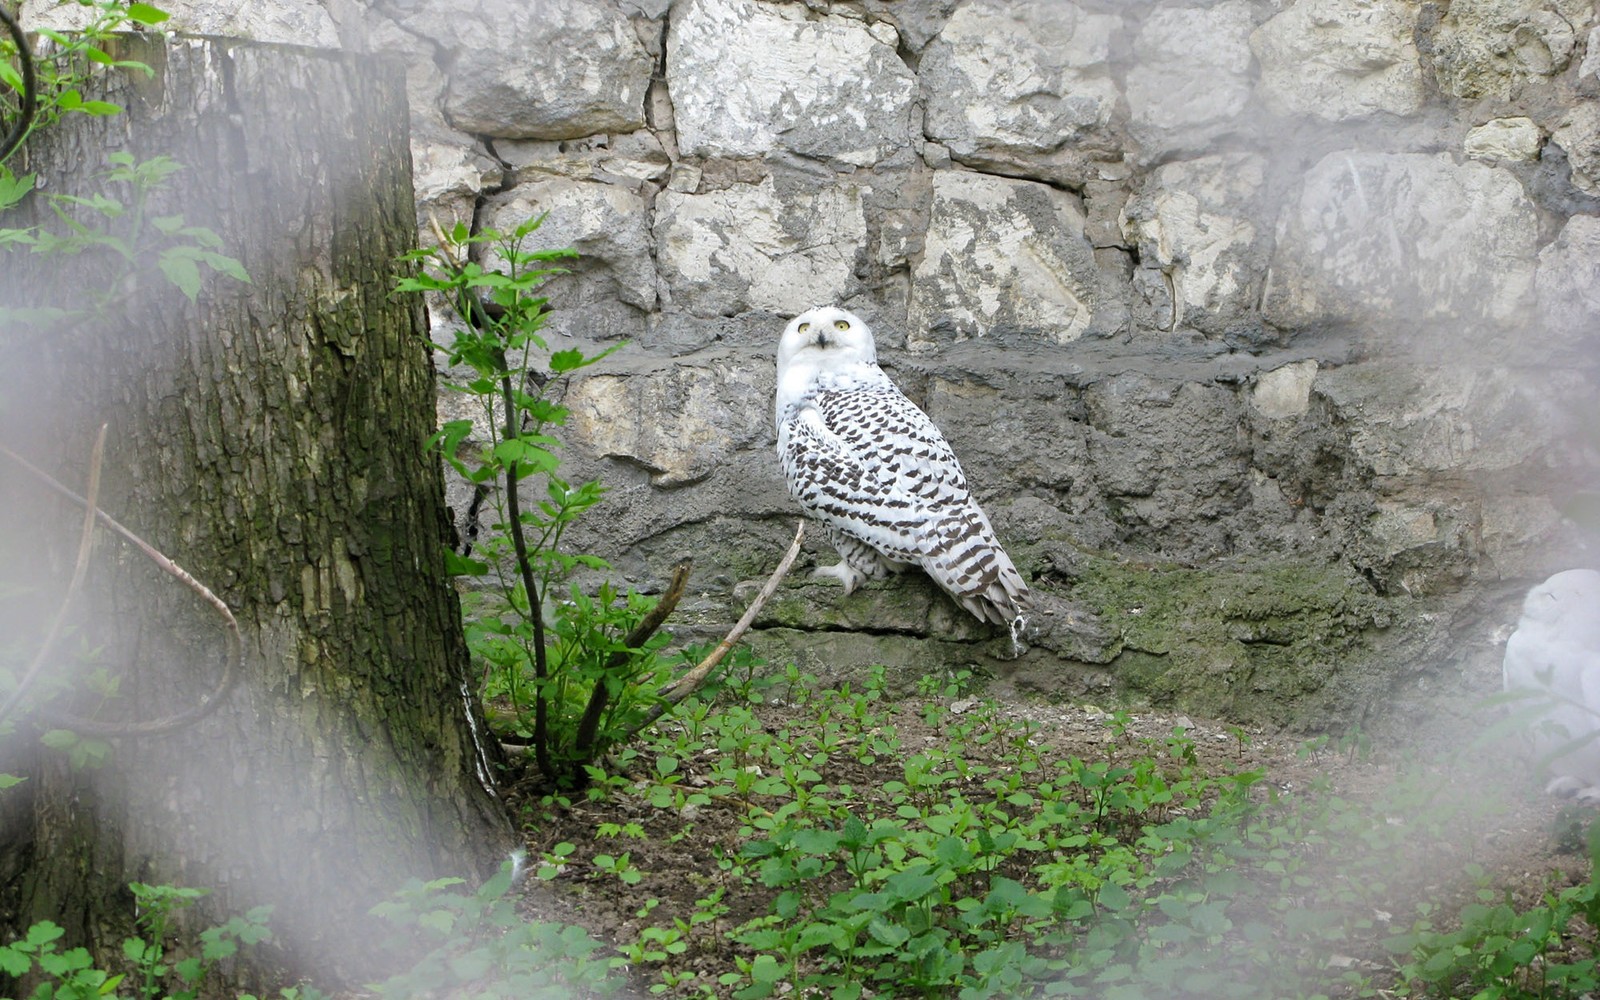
(844, 573)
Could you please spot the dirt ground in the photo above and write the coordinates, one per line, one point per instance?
(1519, 844)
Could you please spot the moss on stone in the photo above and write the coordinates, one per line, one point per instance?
(1286, 643)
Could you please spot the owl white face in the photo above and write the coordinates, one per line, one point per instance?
(826, 337)
(1571, 596)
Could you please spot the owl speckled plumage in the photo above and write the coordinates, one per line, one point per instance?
(1554, 655)
(866, 462)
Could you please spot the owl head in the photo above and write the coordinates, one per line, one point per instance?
(1571, 598)
(826, 337)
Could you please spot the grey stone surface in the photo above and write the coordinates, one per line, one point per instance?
(1578, 134)
(1192, 71)
(547, 69)
(292, 22)
(1023, 85)
(747, 78)
(1506, 139)
(1410, 238)
(749, 247)
(1001, 258)
(1487, 48)
(604, 223)
(1198, 223)
(1341, 59)
(1568, 286)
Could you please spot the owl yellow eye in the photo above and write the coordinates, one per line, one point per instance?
(841, 324)
(803, 327)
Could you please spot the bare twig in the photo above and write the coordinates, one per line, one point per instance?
(589, 726)
(233, 665)
(80, 570)
(691, 681)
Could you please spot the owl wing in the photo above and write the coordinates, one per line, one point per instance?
(872, 464)
(1540, 658)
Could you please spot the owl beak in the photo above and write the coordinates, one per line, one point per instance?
(822, 339)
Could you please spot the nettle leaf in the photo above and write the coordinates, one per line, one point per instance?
(14, 963)
(529, 456)
(566, 361)
(13, 189)
(223, 264)
(182, 271)
(144, 13)
(456, 564)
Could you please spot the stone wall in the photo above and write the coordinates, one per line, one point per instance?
(1265, 330)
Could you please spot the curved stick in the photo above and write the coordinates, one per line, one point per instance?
(80, 570)
(686, 685)
(233, 665)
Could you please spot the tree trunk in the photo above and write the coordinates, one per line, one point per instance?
(270, 439)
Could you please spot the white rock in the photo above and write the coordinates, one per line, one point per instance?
(1579, 134)
(1514, 138)
(1194, 224)
(293, 22)
(1192, 66)
(1341, 59)
(605, 223)
(747, 78)
(440, 170)
(1010, 77)
(1284, 392)
(1590, 67)
(679, 423)
(1381, 238)
(1484, 48)
(747, 247)
(1569, 286)
(1001, 253)
(505, 80)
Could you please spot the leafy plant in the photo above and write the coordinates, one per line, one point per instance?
(60, 70)
(154, 971)
(476, 942)
(579, 670)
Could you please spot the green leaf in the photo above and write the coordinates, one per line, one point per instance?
(13, 188)
(529, 457)
(146, 14)
(59, 739)
(14, 963)
(456, 564)
(182, 271)
(566, 361)
(10, 781)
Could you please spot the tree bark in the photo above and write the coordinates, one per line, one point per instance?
(269, 438)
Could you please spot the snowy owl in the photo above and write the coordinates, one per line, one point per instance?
(1555, 653)
(862, 459)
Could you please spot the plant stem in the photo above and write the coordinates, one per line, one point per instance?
(589, 725)
(541, 670)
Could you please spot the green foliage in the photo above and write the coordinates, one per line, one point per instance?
(65, 975)
(475, 944)
(562, 673)
(64, 64)
(113, 222)
(115, 226)
(981, 865)
(157, 971)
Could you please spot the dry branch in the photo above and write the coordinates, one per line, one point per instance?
(232, 666)
(690, 682)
